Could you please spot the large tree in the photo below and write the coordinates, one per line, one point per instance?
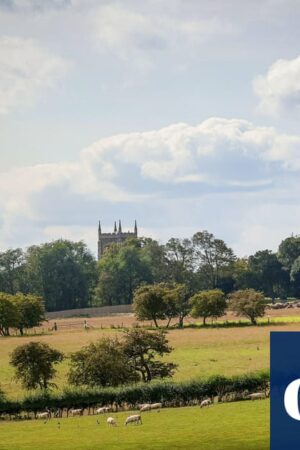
(145, 350)
(31, 311)
(101, 363)
(248, 303)
(122, 269)
(34, 364)
(9, 314)
(208, 303)
(213, 258)
(149, 302)
(12, 271)
(62, 272)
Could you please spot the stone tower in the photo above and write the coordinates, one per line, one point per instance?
(117, 236)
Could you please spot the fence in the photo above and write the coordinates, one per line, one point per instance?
(101, 311)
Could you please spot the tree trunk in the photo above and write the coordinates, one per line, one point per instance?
(253, 320)
(155, 321)
(180, 322)
(204, 321)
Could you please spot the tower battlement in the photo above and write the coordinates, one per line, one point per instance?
(117, 236)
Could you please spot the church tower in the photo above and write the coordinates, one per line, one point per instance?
(117, 236)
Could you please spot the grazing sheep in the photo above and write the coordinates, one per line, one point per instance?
(145, 407)
(111, 422)
(156, 406)
(257, 396)
(204, 403)
(77, 412)
(103, 410)
(44, 415)
(133, 419)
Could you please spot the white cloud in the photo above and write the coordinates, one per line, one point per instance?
(137, 31)
(26, 71)
(155, 174)
(279, 89)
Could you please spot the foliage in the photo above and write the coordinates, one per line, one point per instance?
(31, 312)
(122, 269)
(102, 363)
(176, 298)
(34, 364)
(168, 392)
(210, 303)
(214, 257)
(62, 272)
(9, 314)
(143, 348)
(149, 304)
(248, 303)
(12, 271)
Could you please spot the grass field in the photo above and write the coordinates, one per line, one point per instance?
(198, 352)
(231, 426)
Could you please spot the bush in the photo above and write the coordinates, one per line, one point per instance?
(170, 393)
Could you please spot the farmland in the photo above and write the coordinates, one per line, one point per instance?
(198, 352)
(229, 426)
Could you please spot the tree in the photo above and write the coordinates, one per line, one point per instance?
(102, 363)
(34, 364)
(9, 315)
(213, 257)
(30, 309)
(176, 298)
(62, 272)
(268, 274)
(144, 350)
(248, 303)
(149, 304)
(12, 273)
(122, 269)
(180, 260)
(289, 251)
(209, 303)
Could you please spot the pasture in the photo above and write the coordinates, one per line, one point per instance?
(230, 426)
(198, 352)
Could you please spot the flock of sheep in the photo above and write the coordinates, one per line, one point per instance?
(137, 418)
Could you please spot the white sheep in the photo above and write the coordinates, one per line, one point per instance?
(206, 402)
(257, 396)
(145, 407)
(103, 410)
(133, 419)
(111, 422)
(77, 412)
(156, 406)
(44, 415)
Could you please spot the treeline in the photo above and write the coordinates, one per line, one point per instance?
(66, 275)
(170, 393)
(20, 312)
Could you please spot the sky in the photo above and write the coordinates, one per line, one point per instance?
(182, 114)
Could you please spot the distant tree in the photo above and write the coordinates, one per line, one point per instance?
(180, 261)
(102, 363)
(62, 272)
(122, 269)
(154, 256)
(209, 303)
(268, 274)
(248, 303)
(149, 302)
(9, 315)
(213, 258)
(12, 271)
(34, 364)
(31, 311)
(176, 298)
(289, 251)
(144, 350)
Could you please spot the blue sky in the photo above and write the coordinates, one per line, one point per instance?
(181, 114)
